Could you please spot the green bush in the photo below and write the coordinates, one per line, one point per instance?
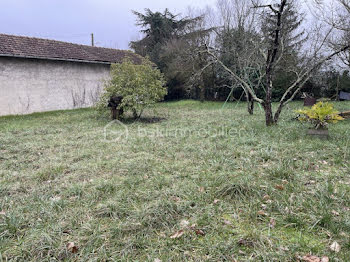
(139, 85)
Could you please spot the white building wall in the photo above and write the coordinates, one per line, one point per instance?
(34, 85)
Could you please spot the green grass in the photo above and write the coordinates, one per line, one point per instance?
(61, 182)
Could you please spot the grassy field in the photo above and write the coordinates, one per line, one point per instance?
(189, 182)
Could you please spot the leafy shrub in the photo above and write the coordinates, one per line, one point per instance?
(139, 85)
(320, 115)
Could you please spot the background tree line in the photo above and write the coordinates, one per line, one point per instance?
(239, 33)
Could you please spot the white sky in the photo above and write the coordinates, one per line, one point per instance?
(111, 21)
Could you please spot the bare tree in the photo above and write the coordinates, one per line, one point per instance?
(317, 55)
(238, 44)
(336, 13)
(345, 35)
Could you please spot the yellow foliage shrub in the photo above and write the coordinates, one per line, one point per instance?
(320, 115)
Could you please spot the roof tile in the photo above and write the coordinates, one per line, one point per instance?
(21, 46)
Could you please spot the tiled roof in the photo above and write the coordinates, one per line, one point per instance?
(20, 46)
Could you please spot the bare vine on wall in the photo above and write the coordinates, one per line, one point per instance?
(78, 97)
(25, 103)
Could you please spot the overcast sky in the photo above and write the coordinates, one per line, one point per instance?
(111, 21)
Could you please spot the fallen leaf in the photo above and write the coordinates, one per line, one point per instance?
(310, 258)
(201, 189)
(245, 242)
(227, 222)
(262, 213)
(335, 247)
(279, 187)
(272, 223)
(328, 233)
(216, 201)
(72, 247)
(291, 198)
(343, 234)
(333, 197)
(55, 198)
(266, 197)
(184, 223)
(335, 213)
(193, 226)
(266, 164)
(178, 234)
(199, 232)
(314, 167)
(284, 248)
(176, 199)
(311, 182)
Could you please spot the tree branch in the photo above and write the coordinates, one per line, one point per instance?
(303, 79)
(264, 6)
(236, 77)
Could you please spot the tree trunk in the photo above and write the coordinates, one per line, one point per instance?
(134, 113)
(116, 113)
(250, 102)
(337, 90)
(202, 93)
(272, 55)
(268, 114)
(268, 100)
(202, 82)
(278, 113)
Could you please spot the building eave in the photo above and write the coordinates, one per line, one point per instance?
(56, 59)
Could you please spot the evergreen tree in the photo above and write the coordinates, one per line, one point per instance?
(167, 41)
(292, 37)
(159, 28)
